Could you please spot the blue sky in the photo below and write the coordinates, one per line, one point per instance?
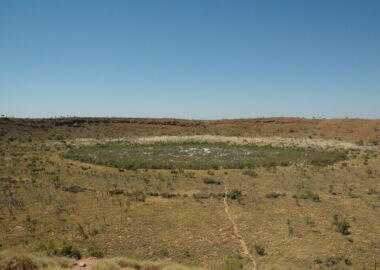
(190, 59)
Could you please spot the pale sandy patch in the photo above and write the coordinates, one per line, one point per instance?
(261, 141)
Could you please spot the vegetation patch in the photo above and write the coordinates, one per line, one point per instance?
(74, 189)
(15, 260)
(232, 263)
(274, 195)
(309, 195)
(251, 173)
(341, 224)
(197, 155)
(210, 181)
(95, 251)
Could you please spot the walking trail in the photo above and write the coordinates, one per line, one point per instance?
(240, 239)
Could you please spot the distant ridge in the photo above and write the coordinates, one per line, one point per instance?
(348, 129)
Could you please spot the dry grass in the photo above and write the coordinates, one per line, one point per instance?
(19, 260)
(261, 141)
(124, 263)
(39, 213)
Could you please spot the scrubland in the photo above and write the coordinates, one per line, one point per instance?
(159, 200)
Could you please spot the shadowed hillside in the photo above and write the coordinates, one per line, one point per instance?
(353, 130)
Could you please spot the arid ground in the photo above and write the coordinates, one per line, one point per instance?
(271, 193)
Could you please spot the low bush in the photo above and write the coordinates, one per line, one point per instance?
(308, 195)
(341, 224)
(70, 251)
(208, 195)
(210, 172)
(309, 221)
(201, 196)
(8, 180)
(251, 173)
(333, 261)
(231, 263)
(168, 195)
(95, 251)
(374, 141)
(234, 194)
(372, 191)
(115, 191)
(190, 174)
(260, 250)
(329, 160)
(275, 195)
(285, 163)
(210, 181)
(74, 189)
(137, 195)
(360, 143)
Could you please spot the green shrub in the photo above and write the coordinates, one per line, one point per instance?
(308, 195)
(372, 191)
(70, 251)
(274, 195)
(251, 173)
(232, 264)
(190, 174)
(74, 189)
(353, 195)
(234, 194)
(168, 195)
(374, 141)
(329, 160)
(260, 250)
(309, 221)
(285, 163)
(341, 224)
(201, 196)
(210, 181)
(81, 231)
(215, 166)
(164, 252)
(210, 173)
(137, 195)
(370, 171)
(208, 195)
(95, 251)
(333, 261)
(31, 224)
(347, 261)
(115, 191)
(360, 143)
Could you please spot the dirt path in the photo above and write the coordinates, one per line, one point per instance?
(84, 263)
(240, 239)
